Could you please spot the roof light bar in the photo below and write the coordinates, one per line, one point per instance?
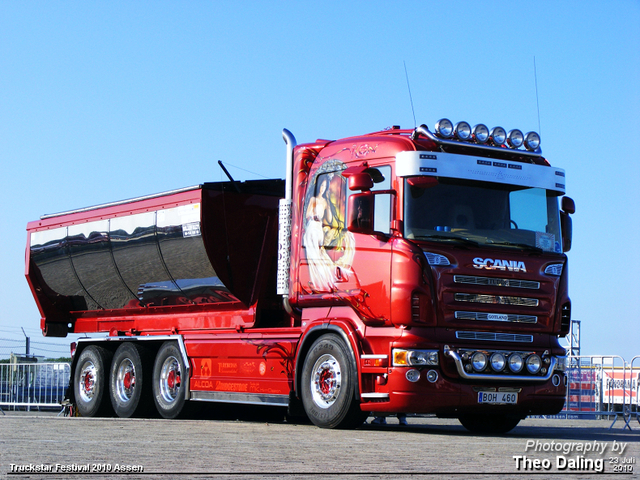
(482, 136)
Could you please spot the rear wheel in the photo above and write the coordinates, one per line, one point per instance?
(491, 424)
(90, 384)
(329, 385)
(130, 392)
(169, 381)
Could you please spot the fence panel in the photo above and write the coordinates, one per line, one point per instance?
(602, 386)
(33, 385)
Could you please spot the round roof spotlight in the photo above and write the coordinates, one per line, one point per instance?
(444, 128)
(480, 133)
(515, 138)
(498, 362)
(515, 362)
(478, 361)
(533, 364)
(462, 131)
(531, 141)
(498, 136)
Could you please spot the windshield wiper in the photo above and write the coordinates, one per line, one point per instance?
(526, 246)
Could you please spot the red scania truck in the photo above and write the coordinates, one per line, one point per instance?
(410, 271)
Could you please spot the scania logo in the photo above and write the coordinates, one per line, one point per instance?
(498, 264)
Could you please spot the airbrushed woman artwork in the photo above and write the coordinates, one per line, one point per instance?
(328, 244)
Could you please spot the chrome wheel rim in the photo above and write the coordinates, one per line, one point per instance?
(125, 380)
(87, 384)
(170, 379)
(326, 381)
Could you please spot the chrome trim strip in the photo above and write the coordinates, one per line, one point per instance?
(495, 317)
(383, 396)
(120, 202)
(496, 282)
(497, 378)
(494, 337)
(496, 299)
(244, 398)
(374, 356)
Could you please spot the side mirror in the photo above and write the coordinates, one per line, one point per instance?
(360, 181)
(568, 205)
(566, 225)
(360, 216)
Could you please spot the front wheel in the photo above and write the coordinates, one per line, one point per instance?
(489, 424)
(329, 386)
(90, 384)
(169, 381)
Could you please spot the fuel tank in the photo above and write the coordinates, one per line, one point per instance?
(207, 246)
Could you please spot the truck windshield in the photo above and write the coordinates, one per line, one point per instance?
(481, 213)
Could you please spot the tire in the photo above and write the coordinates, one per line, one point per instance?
(169, 381)
(489, 424)
(329, 385)
(130, 380)
(90, 384)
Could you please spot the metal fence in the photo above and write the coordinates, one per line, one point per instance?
(33, 386)
(603, 386)
(598, 386)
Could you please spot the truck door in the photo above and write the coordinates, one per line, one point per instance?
(338, 263)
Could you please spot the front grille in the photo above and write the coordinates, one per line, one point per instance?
(496, 282)
(496, 299)
(494, 337)
(496, 317)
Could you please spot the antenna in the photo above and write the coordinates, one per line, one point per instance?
(535, 76)
(415, 124)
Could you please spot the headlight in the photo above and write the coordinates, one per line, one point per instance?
(462, 131)
(515, 362)
(444, 128)
(531, 141)
(480, 133)
(498, 135)
(562, 364)
(515, 138)
(533, 364)
(498, 362)
(479, 361)
(404, 358)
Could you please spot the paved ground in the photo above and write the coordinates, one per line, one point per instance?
(264, 446)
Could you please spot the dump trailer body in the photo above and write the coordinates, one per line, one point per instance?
(187, 251)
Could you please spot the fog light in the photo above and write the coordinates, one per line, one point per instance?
(479, 361)
(498, 136)
(432, 376)
(498, 362)
(462, 131)
(444, 128)
(533, 364)
(515, 362)
(480, 133)
(515, 138)
(531, 141)
(412, 375)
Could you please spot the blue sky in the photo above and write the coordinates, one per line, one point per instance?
(101, 101)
